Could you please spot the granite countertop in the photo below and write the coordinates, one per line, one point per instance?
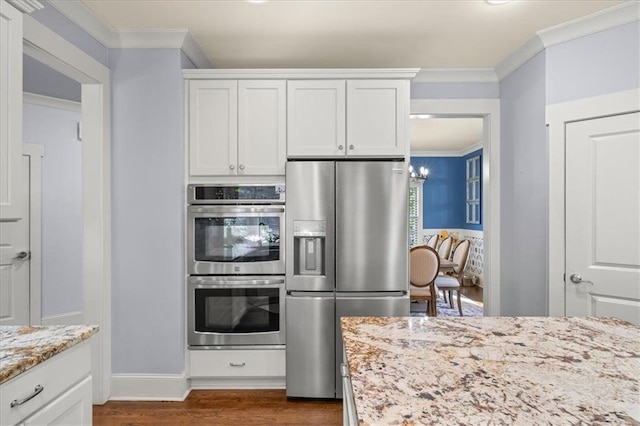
(23, 347)
(493, 370)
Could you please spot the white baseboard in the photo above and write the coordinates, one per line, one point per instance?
(71, 318)
(239, 383)
(149, 387)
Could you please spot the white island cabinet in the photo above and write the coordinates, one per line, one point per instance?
(45, 375)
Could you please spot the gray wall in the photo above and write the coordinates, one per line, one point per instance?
(40, 79)
(148, 278)
(597, 64)
(524, 195)
(455, 90)
(61, 206)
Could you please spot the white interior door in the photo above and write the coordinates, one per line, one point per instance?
(15, 260)
(603, 217)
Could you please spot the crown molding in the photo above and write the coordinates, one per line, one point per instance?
(112, 38)
(301, 73)
(48, 101)
(456, 75)
(468, 150)
(603, 20)
(26, 6)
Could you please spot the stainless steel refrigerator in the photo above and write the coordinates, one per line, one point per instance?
(346, 255)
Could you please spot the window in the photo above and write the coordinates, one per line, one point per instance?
(415, 212)
(473, 190)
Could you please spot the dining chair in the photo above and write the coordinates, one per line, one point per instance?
(445, 248)
(433, 241)
(450, 283)
(423, 269)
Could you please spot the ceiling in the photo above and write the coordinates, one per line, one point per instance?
(356, 34)
(445, 134)
(349, 33)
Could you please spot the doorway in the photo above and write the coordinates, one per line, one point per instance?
(488, 112)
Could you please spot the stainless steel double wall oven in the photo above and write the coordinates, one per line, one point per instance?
(236, 265)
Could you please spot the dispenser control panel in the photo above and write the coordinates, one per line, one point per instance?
(309, 228)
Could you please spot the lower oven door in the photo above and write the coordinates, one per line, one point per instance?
(229, 310)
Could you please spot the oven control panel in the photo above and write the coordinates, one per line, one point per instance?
(236, 194)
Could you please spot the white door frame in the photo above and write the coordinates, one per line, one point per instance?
(35, 153)
(489, 110)
(49, 48)
(558, 115)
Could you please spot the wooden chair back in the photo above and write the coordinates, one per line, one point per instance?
(433, 241)
(445, 248)
(423, 265)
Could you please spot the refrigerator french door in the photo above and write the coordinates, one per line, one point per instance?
(347, 254)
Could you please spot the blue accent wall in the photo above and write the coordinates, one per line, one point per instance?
(444, 193)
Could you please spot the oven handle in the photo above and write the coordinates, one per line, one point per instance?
(226, 281)
(236, 209)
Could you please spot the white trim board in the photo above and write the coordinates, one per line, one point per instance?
(82, 16)
(169, 387)
(57, 53)
(238, 383)
(48, 101)
(489, 109)
(557, 116)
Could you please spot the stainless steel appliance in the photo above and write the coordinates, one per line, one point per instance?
(236, 265)
(233, 310)
(347, 255)
(235, 229)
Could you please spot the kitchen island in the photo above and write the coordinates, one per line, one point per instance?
(493, 370)
(45, 374)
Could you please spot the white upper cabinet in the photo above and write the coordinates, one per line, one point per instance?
(262, 138)
(316, 118)
(10, 110)
(377, 117)
(237, 127)
(357, 118)
(213, 127)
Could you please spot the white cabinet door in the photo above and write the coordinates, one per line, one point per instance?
(315, 118)
(73, 407)
(15, 260)
(377, 118)
(262, 115)
(10, 109)
(603, 217)
(213, 127)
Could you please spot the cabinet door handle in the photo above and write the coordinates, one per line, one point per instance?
(35, 393)
(231, 167)
(340, 147)
(241, 167)
(351, 147)
(237, 364)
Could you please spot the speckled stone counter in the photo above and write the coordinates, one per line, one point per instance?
(24, 347)
(474, 371)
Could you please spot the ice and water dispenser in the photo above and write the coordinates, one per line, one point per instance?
(309, 239)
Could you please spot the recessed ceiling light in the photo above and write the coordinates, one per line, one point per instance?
(256, 1)
(498, 1)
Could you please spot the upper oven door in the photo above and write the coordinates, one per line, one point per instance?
(247, 240)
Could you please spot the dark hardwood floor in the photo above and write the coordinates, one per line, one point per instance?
(222, 407)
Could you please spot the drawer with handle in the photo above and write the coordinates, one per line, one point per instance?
(26, 393)
(237, 363)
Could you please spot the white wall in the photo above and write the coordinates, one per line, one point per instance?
(61, 206)
(148, 279)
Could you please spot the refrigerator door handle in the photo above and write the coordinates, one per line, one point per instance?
(360, 295)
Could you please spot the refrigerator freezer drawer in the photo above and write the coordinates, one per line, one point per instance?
(358, 306)
(310, 359)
